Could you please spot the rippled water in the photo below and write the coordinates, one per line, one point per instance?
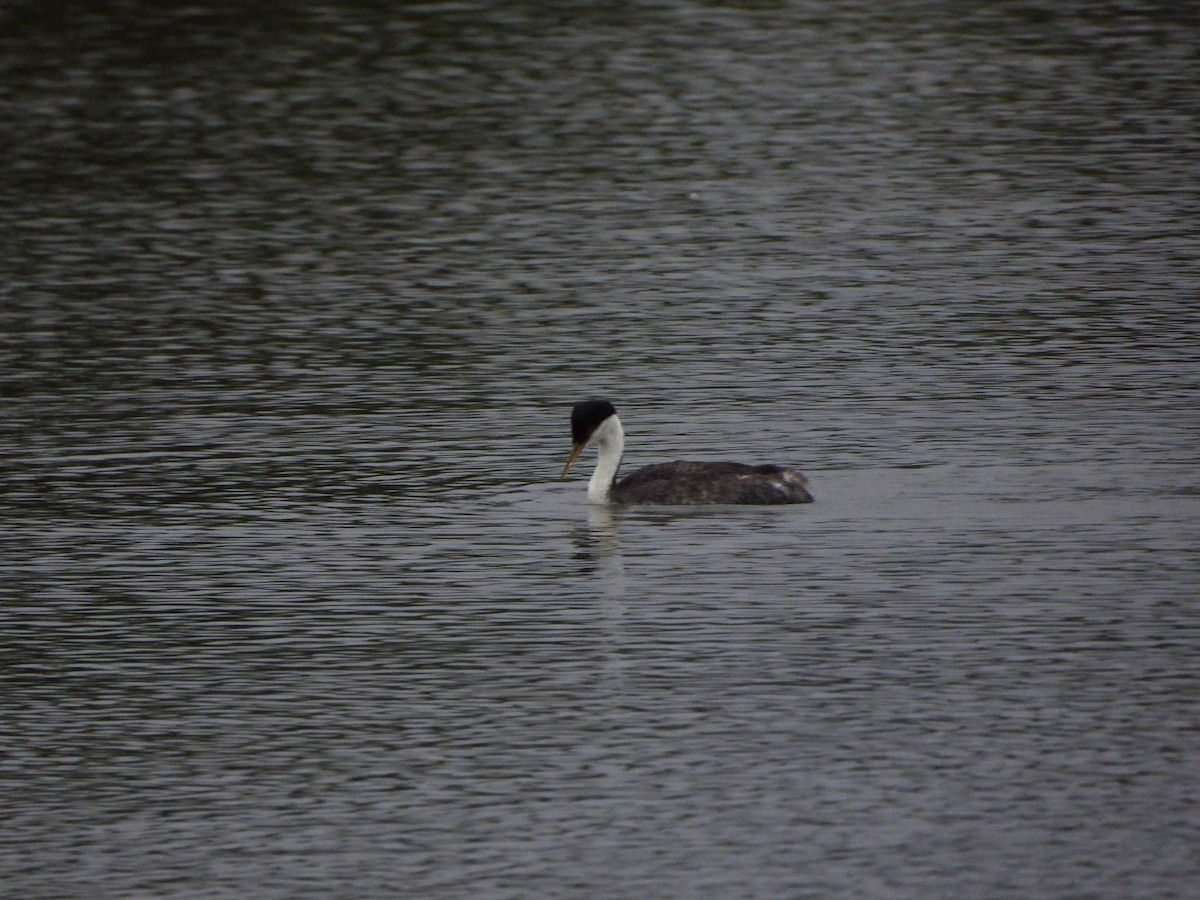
(295, 304)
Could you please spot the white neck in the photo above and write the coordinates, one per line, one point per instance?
(610, 447)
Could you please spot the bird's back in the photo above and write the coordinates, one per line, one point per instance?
(687, 483)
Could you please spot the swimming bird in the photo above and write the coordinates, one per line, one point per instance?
(596, 422)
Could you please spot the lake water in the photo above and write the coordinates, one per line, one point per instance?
(294, 306)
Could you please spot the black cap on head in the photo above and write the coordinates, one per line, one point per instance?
(587, 416)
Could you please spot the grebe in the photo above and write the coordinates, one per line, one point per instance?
(596, 421)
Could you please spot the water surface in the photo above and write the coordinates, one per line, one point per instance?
(294, 307)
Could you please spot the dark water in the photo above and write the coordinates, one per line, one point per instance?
(294, 304)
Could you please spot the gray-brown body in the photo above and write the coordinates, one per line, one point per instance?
(688, 483)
